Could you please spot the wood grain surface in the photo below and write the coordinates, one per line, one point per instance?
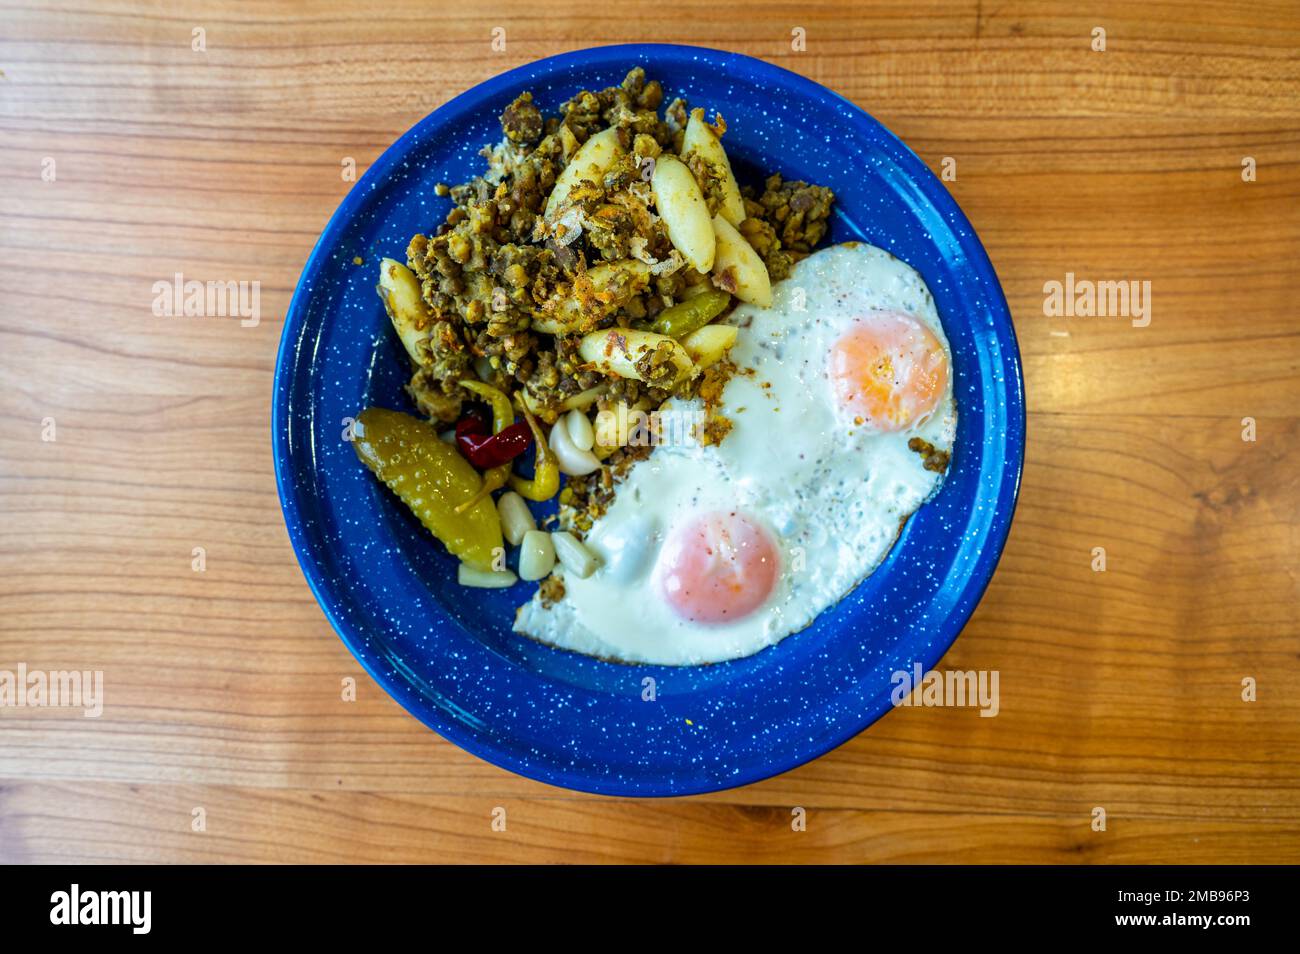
(1120, 690)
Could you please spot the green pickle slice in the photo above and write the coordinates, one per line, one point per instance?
(681, 319)
(431, 477)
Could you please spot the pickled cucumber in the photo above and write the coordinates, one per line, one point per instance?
(686, 316)
(431, 478)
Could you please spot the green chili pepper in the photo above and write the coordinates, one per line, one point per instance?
(503, 415)
(546, 469)
(431, 478)
(493, 479)
(693, 313)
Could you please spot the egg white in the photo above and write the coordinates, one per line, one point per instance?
(833, 494)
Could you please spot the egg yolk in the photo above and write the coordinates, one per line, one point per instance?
(888, 370)
(717, 568)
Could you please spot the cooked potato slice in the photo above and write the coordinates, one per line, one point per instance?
(617, 350)
(701, 138)
(580, 402)
(620, 423)
(568, 142)
(536, 555)
(737, 267)
(612, 285)
(707, 345)
(573, 554)
(686, 215)
(583, 399)
(400, 291)
(467, 575)
(591, 161)
(611, 429)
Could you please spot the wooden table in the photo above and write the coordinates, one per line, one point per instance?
(127, 156)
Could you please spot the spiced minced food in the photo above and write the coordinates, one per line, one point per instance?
(499, 269)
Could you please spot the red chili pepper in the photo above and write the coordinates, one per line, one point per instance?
(475, 421)
(485, 450)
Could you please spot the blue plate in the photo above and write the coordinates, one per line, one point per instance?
(447, 653)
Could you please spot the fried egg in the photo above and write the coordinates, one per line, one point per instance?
(715, 552)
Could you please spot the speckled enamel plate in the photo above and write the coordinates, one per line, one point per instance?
(447, 653)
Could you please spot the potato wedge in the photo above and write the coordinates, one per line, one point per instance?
(591, 161)
(686, 215)
(619, 424)
(400, 291)
(568, 142)
(701, 139)
(612, 285)
(583, 399)
(737, 267)
(579, 402)
(617, 351)
(707, 345)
